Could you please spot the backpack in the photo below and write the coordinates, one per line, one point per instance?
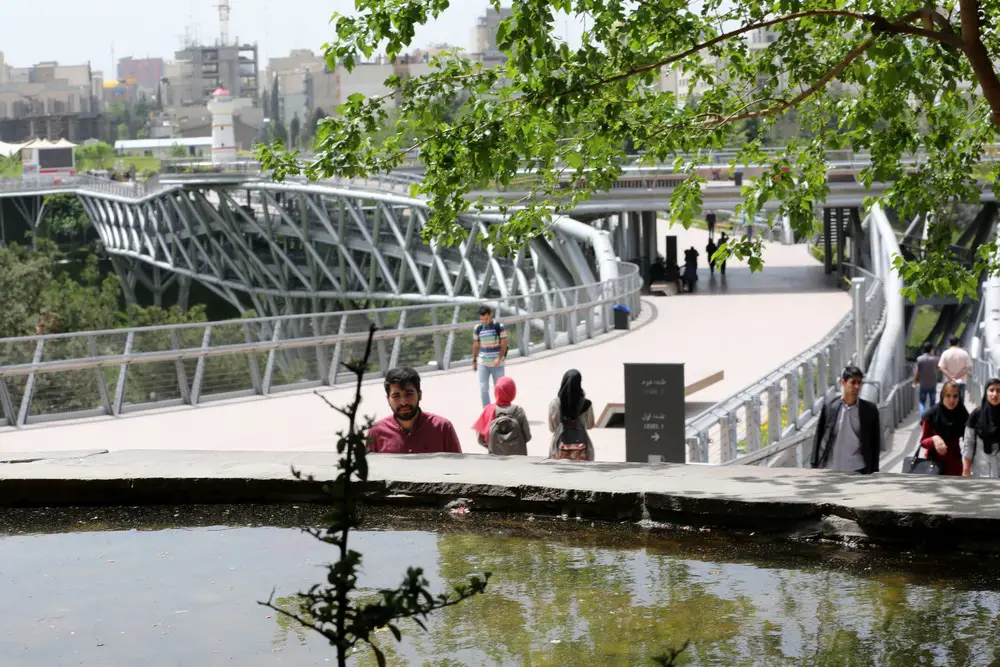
(494, 325)
(573, 441)
(505, 437)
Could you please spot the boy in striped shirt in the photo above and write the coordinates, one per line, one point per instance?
(489, 350)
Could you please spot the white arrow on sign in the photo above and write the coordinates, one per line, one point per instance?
(655, 437)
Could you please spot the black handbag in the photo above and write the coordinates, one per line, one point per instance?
(914, 465)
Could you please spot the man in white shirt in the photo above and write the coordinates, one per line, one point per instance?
(956, 364)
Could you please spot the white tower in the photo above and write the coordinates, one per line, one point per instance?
(223, 135)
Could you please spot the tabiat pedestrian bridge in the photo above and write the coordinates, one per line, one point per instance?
(321, 262)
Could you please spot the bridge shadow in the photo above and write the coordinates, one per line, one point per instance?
(772, 280)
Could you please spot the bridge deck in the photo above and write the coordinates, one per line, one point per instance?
(745, 326)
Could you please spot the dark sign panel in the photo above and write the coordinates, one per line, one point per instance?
(654, 413)
(55, 158)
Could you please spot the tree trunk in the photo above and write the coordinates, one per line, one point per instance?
(978, 57)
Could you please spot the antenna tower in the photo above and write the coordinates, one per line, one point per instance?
(223, 8)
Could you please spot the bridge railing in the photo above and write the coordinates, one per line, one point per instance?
(985, 342)
(64, 376)
(772, 421)
(128, 189)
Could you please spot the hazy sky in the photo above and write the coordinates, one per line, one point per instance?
(77, 31)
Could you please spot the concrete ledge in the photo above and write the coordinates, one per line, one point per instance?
(908, 511)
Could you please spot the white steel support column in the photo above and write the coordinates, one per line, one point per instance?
(858, 301)
(634, 237)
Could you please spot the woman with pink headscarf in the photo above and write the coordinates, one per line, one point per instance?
(503, 427)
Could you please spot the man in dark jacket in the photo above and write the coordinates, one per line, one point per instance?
(848, 434)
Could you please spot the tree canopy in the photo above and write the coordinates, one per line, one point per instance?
(912, 83)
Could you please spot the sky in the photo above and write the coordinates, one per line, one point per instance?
(76, 31)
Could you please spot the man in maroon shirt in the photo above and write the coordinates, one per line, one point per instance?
(410, 430)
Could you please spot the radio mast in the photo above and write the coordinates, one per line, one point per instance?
(223, 8)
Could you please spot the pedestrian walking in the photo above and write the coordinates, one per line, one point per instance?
(503, 427)
(848, 436)
(925, 378)
(690, 276)
(710, 251)
(723, 240)
(571, 415)
(981, 446)
(489, 351)
(943, 429)
(956, 364)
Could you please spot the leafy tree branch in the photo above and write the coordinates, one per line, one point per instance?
(911, 84)
(334, 610)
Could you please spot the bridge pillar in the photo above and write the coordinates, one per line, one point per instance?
(634, 237)
(649, 236)
(827, 240)
(618, 236)
(860, 326)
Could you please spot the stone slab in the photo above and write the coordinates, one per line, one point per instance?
(960, 513)
(31, 457)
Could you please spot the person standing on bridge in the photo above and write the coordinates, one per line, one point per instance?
(956, 364)
(489, 351)
(723, 240)
(981, 446)
(943, 429)
(503, 427)
(926, 377)
(410, 430)
(848, 435)
(571, 415)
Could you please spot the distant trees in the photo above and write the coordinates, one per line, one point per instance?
(294, 127)
(97, 155)
(309, 127)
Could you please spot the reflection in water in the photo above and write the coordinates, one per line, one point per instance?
(178, 596)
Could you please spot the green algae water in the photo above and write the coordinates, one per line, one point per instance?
(179, 586)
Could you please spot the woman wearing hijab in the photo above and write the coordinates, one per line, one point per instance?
(944, 426)
(511, 433)
(571, 415)
(981, 446)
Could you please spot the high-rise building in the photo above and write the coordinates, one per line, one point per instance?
(144, 72)
(50, 101)
(203, 69)
(484, 35)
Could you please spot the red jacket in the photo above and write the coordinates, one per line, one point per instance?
(950, 462)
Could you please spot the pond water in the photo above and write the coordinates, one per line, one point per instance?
(171, 587)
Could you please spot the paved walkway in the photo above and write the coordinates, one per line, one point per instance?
(746, 326)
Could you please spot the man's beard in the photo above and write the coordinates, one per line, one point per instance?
(406, 413)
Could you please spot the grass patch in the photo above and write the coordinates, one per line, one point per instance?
(923, 322)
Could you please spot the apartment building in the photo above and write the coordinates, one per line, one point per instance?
(49, 101)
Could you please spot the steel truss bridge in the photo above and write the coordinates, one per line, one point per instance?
(290, 248)
(319, 263)
(304, 254)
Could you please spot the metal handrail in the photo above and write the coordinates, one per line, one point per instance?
(567, 316)
(790, 396)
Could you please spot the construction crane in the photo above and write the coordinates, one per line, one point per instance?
(223, 8)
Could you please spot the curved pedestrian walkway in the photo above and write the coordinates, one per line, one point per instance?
(745, 325)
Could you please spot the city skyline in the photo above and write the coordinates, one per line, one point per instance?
(111, 23)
